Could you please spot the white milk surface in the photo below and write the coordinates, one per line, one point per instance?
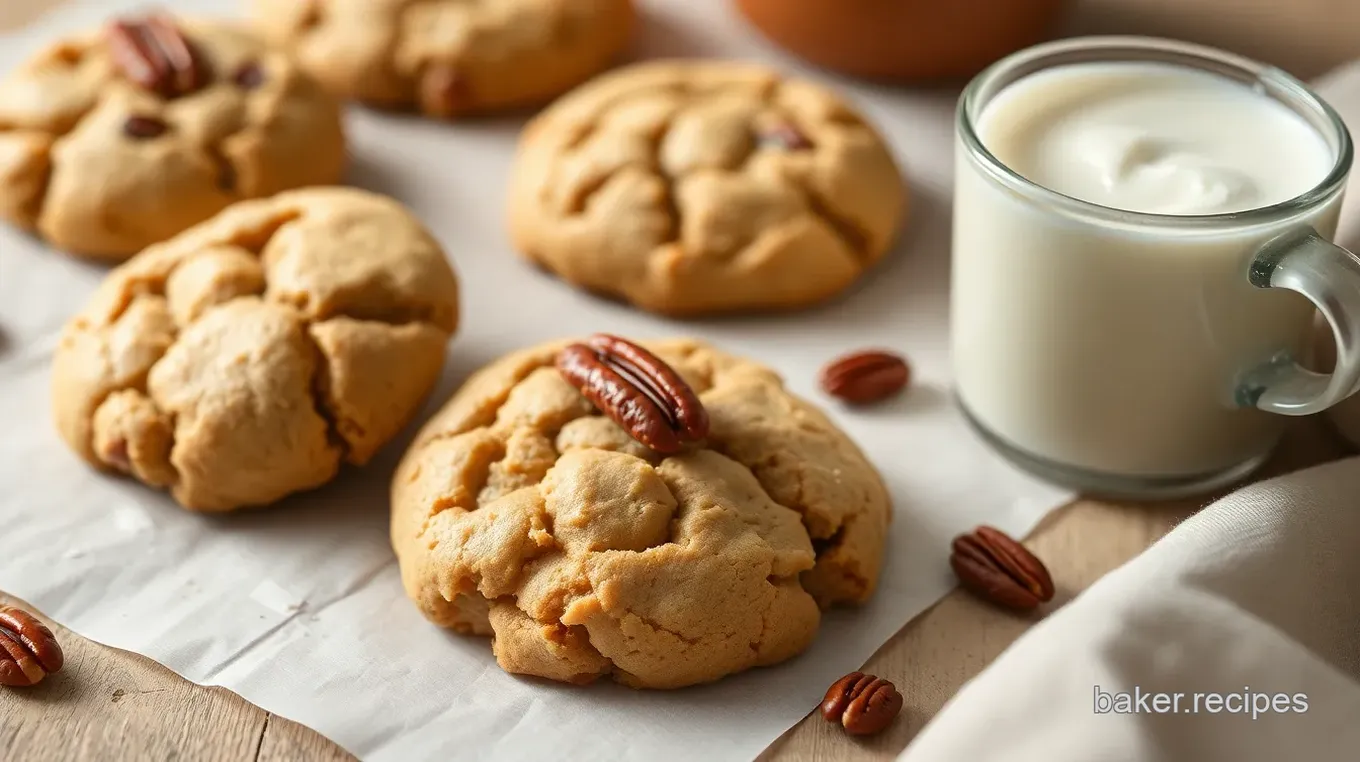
(1158, 138)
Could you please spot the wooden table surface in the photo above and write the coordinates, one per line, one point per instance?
(110, 704)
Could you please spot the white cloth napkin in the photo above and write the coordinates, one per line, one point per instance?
(1256, 599)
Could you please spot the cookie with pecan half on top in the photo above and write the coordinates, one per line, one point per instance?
(663, 514)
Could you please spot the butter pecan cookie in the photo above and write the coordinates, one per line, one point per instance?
(118, 139)
(524, 513)
(449, 58)
(699, 187)
(248, 357)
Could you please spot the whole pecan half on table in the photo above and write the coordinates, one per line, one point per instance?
(28, 650)
(156, 54)
(1000, 570)
(637, 390)
(862, 704)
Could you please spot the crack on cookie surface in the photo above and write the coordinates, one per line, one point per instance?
(323, 400)
(526, 458)
(394, 316)
(823, 545)
(143, 343)
(459, 475)
(254, 238)
(228, 177)
(670, 204)
(135, 437)
(135, 285)
(658, 627)
(850, 232)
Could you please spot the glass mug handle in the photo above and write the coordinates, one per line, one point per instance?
(1329, 276)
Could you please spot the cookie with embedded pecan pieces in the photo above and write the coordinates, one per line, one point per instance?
(449, 58)
(250, 356)
(123, 137)
(690, 187)
(525, 511)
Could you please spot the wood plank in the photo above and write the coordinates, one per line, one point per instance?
(110, 704)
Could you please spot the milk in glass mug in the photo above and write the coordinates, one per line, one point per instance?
(1141, 244)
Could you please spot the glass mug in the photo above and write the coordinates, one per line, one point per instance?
(1144, 355)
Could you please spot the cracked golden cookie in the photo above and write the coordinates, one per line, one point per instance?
(118, 139)
(246, 358)
(523, 512)
(690, 187)
(449, 58)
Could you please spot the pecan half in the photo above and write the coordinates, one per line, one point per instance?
(1000, 570)
(155, 53)
(637, 390)
(140, 127)
(867, 376)
(28, 650)
(862, 704)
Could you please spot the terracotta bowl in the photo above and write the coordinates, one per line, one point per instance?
(903, 39)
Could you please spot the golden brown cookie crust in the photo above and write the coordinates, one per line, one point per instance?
(450, 58)
(245, 359)
(690, 187)
(521, 512)
(70, 172)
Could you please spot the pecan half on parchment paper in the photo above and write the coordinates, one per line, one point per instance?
(156, 54)
(866, 376)
(637, 390)
(28, 650)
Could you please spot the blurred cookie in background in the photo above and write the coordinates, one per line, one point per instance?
(125, 136)
(449, 59)
(695, 187)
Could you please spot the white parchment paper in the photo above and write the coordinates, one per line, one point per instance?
(299, 607)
